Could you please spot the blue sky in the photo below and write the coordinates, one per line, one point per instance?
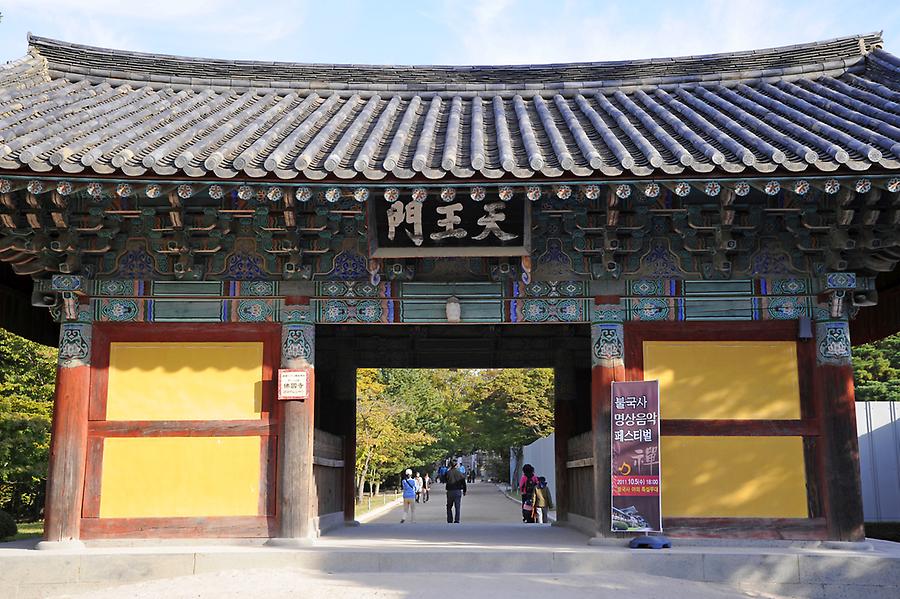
(441, 31)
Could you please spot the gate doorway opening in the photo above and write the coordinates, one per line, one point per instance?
(360, 368)
(484, 423)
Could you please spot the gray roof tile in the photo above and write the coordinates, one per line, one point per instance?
(809, 106)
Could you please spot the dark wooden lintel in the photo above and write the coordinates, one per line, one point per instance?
(182, 428)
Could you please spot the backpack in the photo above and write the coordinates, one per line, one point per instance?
(528, 495)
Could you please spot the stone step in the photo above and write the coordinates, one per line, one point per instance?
(789, 571)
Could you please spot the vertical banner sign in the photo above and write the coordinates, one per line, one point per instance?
(636, 503)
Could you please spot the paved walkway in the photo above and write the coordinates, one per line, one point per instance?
(490, 521)
(491, 554)
(483, 503)
(285, 583)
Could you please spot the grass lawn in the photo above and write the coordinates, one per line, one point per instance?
(372, 503)
(28, 530)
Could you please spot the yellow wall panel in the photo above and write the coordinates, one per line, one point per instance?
(184, 381)
(738, 477)
(180, 476)
(725, 379)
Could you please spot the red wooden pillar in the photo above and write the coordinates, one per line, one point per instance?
(564, 396)
(296, 500)
(833, 390)
(68, 439)
(346, 390)
(607, 355)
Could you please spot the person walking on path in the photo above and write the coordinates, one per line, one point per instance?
(456, 489)
(419, 485)
(426, 488)
(408, 485)
(543, 501)
(527, 486)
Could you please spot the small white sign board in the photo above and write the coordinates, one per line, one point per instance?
(293, 383)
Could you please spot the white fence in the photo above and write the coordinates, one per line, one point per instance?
(878, 427)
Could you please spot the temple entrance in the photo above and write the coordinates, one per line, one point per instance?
(344, 352)
(471, 430)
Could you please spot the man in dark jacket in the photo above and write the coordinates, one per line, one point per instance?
(456, 488)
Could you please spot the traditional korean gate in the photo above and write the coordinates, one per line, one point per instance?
(340, 350)
(587, 217)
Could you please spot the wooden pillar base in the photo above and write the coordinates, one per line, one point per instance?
(564, 397)
(607, 347)
(291, 542)
(60, 546)
(611, 540)
(296, 476)
(843, 506)
(297, 504)
(68, 437)
(346, 390)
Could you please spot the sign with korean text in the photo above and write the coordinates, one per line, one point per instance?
(293, 383)
(636, 501)
(431, 227)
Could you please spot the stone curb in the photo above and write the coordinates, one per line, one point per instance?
(379, 511)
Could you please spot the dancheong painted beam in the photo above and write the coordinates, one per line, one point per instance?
(187, 218)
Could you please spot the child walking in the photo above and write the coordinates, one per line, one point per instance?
(543, 501)
(408, 484)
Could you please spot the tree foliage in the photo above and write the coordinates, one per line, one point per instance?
(876, 370)
(386, 438)
(416, 417)
(513, 408)
(27, 379)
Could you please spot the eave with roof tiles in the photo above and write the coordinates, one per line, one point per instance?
(809, 109)
(771, 163)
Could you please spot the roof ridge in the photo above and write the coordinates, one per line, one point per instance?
(66, 57)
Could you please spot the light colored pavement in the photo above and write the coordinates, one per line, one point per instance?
(284, 583)
(483, 503)
(491, 554)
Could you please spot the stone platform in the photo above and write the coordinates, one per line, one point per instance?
(501, 549)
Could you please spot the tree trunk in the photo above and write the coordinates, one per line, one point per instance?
(520, 456)
(361, 479)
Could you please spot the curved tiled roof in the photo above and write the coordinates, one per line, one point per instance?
(813, 107)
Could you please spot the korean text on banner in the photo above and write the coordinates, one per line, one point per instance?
(636, 501)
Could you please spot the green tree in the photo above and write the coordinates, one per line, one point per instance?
(417, 417)
(436, 402)
(876, 370)
(386, 437)
(27, 379)
(514, 408)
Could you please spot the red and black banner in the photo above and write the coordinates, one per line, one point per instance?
(636, 504)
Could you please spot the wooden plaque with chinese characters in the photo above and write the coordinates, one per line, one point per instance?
(409, 228)
(293, 383)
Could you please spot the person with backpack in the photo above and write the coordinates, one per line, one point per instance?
(408, 485)
(527, 485)
(543, 502)
(456, 488)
